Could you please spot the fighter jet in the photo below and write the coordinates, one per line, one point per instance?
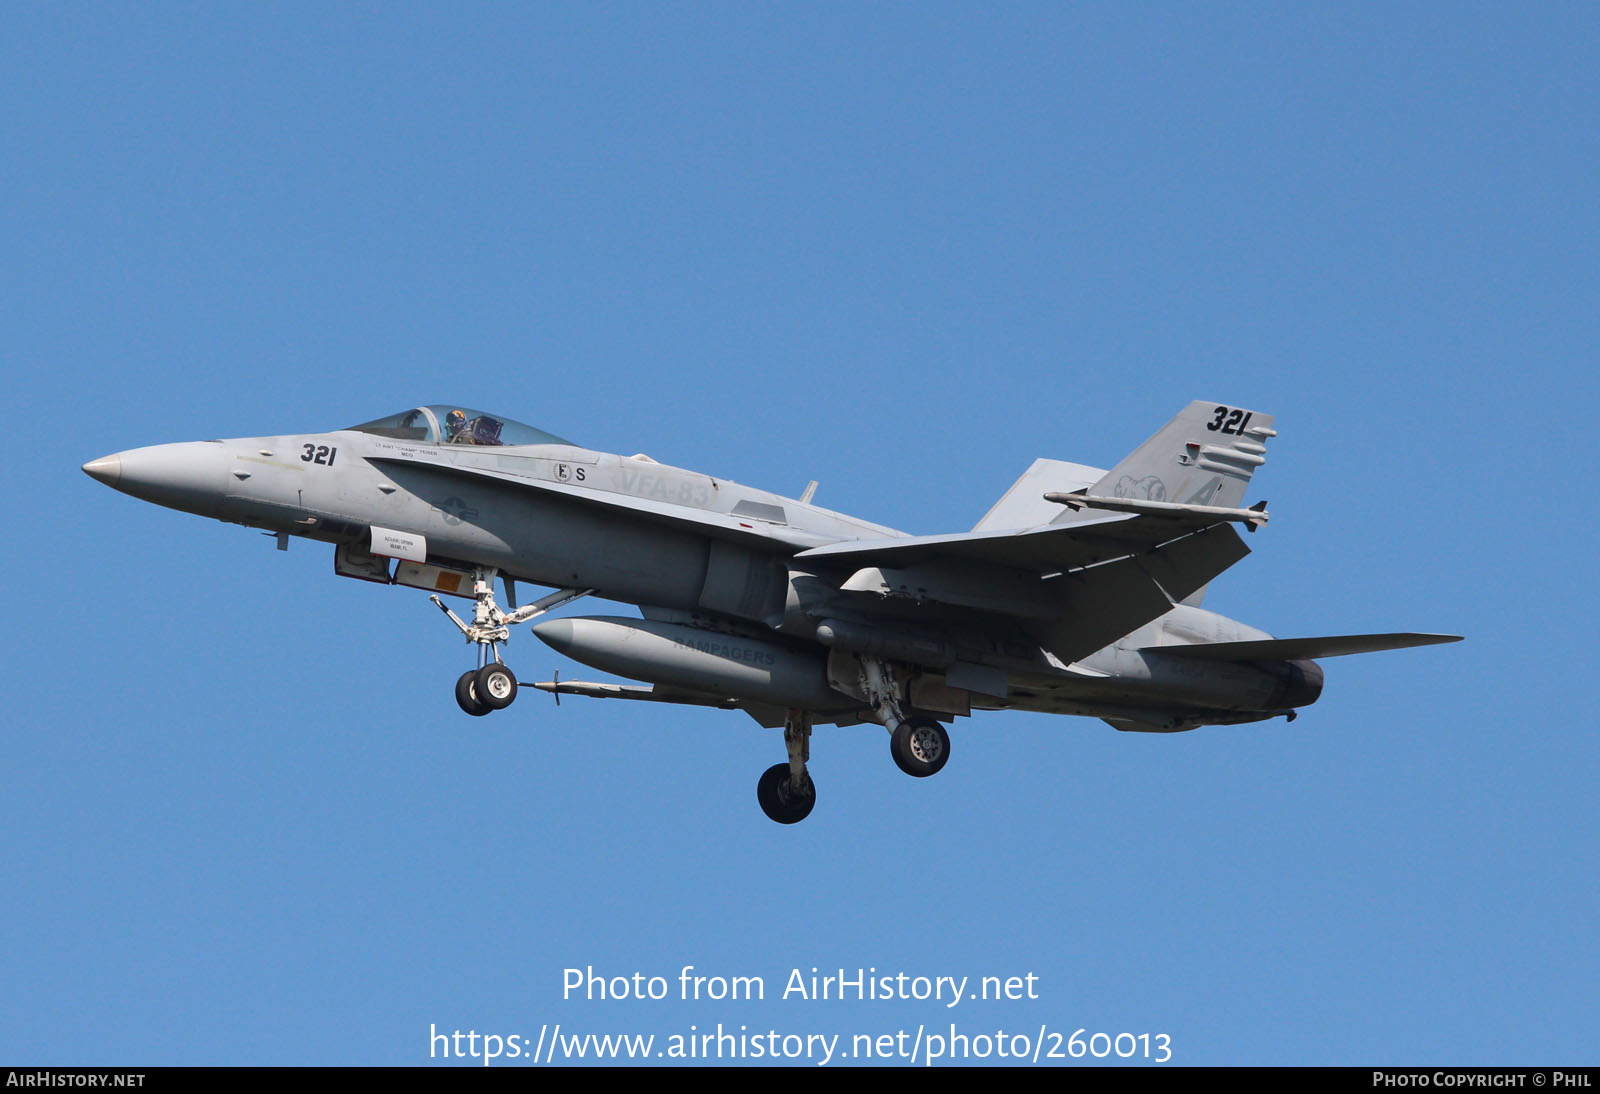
(1078, 593)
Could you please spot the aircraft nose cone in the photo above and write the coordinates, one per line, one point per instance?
(107, 469)
(189, 476)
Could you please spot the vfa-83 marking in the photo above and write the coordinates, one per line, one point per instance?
(1079, 592)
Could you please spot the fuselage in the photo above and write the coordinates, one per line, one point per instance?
(695, 549)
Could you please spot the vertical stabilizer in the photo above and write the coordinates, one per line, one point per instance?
(1023, 506)
(1204, 456)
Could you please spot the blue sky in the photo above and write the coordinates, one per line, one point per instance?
(901, 249)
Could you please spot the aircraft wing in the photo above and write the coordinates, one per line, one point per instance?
(1076, 587)
(1098, 576)
(1049, 548)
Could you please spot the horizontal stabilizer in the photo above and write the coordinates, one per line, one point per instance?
(1296, 649)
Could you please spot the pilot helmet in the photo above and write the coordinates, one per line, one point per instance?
(455, 421)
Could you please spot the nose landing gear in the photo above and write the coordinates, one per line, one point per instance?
(492, 685)
(467, 694)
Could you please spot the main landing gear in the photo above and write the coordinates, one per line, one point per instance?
(919, 744)
(492, 685)
(786, 792)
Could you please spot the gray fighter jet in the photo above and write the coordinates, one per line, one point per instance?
(1078, 593)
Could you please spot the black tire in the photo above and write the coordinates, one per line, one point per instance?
(779, 802)
(467, 697)
(495, 685)
(920, 747)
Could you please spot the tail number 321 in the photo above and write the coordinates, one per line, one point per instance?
(1229, 420)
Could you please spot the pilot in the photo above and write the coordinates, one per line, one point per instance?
(455, 428)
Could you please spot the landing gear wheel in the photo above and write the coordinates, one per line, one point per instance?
(920, 747)
(778, 798)
(467, 695)
(495, 686)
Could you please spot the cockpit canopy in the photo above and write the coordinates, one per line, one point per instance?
(444, 423)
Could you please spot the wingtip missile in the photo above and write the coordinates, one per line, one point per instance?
(1253, 517)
